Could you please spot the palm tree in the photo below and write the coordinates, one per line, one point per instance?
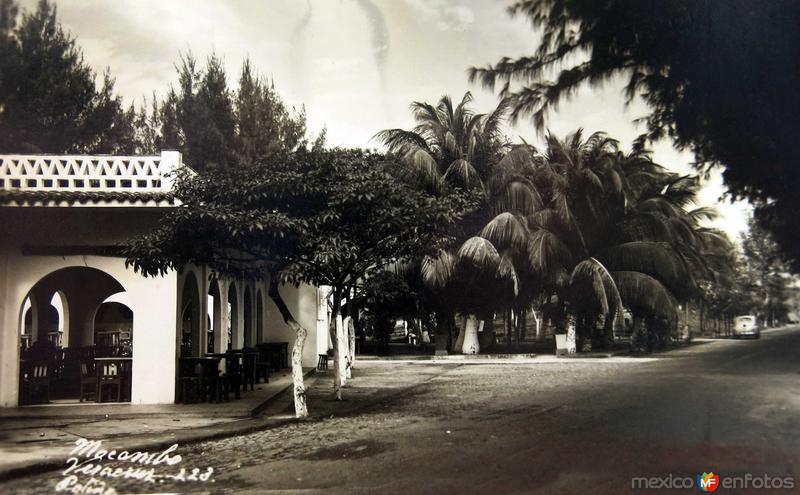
(448, 145)
(453, 147)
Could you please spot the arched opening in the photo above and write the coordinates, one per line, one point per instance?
(248, 318)
(260, 332)
(57, 335)
(113, 330)
(190, 344)
(215, 317)
(29, 311)
(58, 315)
(233, 312)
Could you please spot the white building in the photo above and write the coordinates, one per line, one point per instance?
(62, 279)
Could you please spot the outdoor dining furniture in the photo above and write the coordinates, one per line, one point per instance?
(35, 382)
(263, 364)
(88, 385)
(199, 380)
(278, 354)
(232, 377)
(109, 379)
(250, 370)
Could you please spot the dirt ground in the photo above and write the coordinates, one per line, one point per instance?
(556, 427)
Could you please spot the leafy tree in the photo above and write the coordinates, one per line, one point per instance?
(718, 77)
(323, 217)
(769, 270)
(49, 101)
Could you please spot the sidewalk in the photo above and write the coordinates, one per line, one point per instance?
(37, 438)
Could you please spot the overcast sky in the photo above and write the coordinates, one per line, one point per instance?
(355, 64)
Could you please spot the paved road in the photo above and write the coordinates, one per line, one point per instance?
(576, 427)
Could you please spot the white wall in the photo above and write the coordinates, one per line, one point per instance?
(302, 302)
(152, 300)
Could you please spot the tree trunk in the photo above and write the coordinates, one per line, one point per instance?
(300, 406)
(335, 332)
(539, 327)
(461, 332)
(444, 326)
(351, 346)
(509, 321)
(571, 333)
(470, 344)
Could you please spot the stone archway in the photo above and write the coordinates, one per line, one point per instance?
(216, 318)
(249, 339)
(260, 331)
(56, 331)
(190, 343)
(233, 312)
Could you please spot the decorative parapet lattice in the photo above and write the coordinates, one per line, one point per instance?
(64, 180)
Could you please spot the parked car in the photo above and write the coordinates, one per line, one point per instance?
(746, 326)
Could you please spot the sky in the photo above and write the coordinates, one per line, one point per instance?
(356, 65)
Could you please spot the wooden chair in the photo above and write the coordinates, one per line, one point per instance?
(249, 359)
(126, 367)
(109, 377)
(88, 390)
(188, 380)
(263, 364)
(283, 354)
(322, 362)
(211, 383)
(37, 383)
(233, 373)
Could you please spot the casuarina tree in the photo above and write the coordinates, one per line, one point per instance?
(50, 100)
(720, 79)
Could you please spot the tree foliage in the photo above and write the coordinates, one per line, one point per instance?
(216, 127)
(719, 77)
(323, 217)
(50, 101)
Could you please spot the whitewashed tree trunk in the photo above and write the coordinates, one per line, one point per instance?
(338, 357)
(461, 331)
(300, 406)
(471, 345)
(571, 334)
(539, 326)
(351, 346)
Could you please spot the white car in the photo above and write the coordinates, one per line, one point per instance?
(746, 326)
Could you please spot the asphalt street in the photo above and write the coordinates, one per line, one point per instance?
(572, 426)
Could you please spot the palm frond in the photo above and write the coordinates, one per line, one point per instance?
(546, 251)
(424, 166)
(400, 141)
(506, 230)
(653, 258)
(479, 253)
(462, 172)
(644, 294)
(518, 197)
(507, 271)
(438, 271)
